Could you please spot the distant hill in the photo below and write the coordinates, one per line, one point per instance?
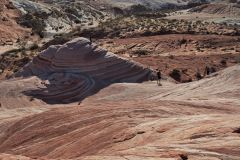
(49, 17)
(222, 9)
(156, 4)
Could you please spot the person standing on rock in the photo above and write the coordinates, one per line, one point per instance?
(90, 38)
(159, 77)
(198, 75)
(207, 71)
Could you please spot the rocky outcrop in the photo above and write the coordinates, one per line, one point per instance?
(26, 6)
(77, 69)
(220, 9)
(58, 16)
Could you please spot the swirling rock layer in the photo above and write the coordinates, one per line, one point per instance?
(194, 121)
(77, 69)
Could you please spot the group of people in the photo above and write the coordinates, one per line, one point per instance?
(208, 70)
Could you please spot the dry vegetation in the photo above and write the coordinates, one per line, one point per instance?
(135, 26)
(142, 26)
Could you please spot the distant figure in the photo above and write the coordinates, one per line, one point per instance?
(207, 71)
(198, 75)
(90, 38)
(159, 77)
(213, 70)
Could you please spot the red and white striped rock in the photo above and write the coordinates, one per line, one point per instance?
(78, 69)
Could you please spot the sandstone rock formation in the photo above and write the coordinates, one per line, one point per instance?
(77, 101)
(79, 68)
(59, 16)
(194, 121)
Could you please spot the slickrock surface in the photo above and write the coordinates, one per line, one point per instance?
(122, 121)
(199, 120)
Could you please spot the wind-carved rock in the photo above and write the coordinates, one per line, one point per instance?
(77, 69)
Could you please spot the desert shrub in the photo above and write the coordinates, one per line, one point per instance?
(147, 33)
(192, 4)
(114, 34)
(19, 63)
(151, 14)
(71, 10)
(10, 6)
(93, 32)
(35, 22)
(117, 11)
(184, 157)
(223, 62)
(134, 9)
(77, 21)
(176, 74)
(33, 46)
(182, 41)
(90, 23)
(171, 56)
(141, 52)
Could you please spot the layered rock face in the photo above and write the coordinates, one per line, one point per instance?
(73, 71)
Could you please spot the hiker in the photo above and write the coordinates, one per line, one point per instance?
(198, 75)
(213, 70)
(159, 77)
(207, 71)
(90, 38)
